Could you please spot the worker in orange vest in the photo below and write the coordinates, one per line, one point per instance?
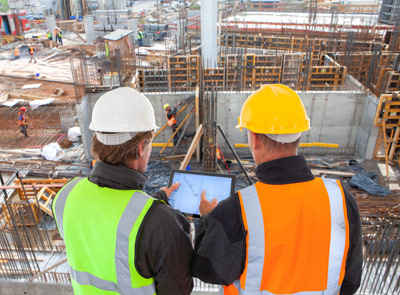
(16, 53)
(290, 232)
(31, 53)
(56, 34)
(170, 114)
(22, 121)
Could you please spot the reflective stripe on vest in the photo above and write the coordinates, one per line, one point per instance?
(256, 247)
(131, 213)
(171, 121)
(60, 203)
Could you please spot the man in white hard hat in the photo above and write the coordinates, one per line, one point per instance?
(290, 232)
(117, 237)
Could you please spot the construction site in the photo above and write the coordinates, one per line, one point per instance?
(206, 57)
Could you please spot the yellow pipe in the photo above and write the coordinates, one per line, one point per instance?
(319, 144)
(241, 145)
(306, 144)
(161, 144)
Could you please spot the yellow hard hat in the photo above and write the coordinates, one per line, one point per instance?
(274, 109)
(166, 105)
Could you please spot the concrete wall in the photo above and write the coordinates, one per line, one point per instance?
(367, 132)
(336, 117)
(345, 118)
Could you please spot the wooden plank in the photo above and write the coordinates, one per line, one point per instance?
(176, 131)
(166, 124)
(26, 186)
(394, 143)
(80, 37)
(332, 172)
(195, 142)
(25, 96)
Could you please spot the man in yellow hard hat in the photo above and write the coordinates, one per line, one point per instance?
(171, 119)
(290, 232)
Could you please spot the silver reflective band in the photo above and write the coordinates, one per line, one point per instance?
(131, 213)
(338, 232)
(60, 204)
(85, 278)
(333, 291)
(256, 231)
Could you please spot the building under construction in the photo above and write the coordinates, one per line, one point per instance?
(206, 57)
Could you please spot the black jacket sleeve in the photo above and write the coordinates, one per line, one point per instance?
(220, 244)
(160, 195)
(165, 250)
(352, 277)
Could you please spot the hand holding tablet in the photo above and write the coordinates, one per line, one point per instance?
(187, 197)
(205, 205)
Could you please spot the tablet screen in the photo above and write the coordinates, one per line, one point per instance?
(187, 197)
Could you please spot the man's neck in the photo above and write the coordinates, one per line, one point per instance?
(266, 157)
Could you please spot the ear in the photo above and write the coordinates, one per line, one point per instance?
(256, 141)
(140, 149)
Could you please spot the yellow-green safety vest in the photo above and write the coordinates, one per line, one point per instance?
(99, 226)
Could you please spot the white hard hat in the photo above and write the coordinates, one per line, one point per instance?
(120, 114)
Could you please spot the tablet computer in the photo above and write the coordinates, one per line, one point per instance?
(187, 197)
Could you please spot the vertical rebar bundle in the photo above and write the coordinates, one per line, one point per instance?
(210, 131)
(381, 267)
(21, 238)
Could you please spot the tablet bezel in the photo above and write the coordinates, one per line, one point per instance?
(233, 182)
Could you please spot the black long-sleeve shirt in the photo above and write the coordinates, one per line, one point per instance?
(220, 243)
(172, 112)
(164, 248)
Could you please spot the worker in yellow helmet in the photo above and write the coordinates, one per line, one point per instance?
(290, 232)
(171, 120)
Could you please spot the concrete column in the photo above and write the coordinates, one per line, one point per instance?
(180, 34)
(89, 29)
(132, 25)
(102, 5)
(115, 4)
(209, 32)
(51, 24)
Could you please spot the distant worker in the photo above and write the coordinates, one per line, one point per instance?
(119, 240)
(49, 35)
(170, 114)
(290, 232)
(16, 53)
(22, 121)
(140, 38)
(31, 53)
(56, 34)
(60, 36)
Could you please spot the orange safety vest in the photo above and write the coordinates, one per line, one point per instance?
(16, 52)
(218, 154)
(31, 50)
(297, 238)
(171, 121)
(23, 121)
